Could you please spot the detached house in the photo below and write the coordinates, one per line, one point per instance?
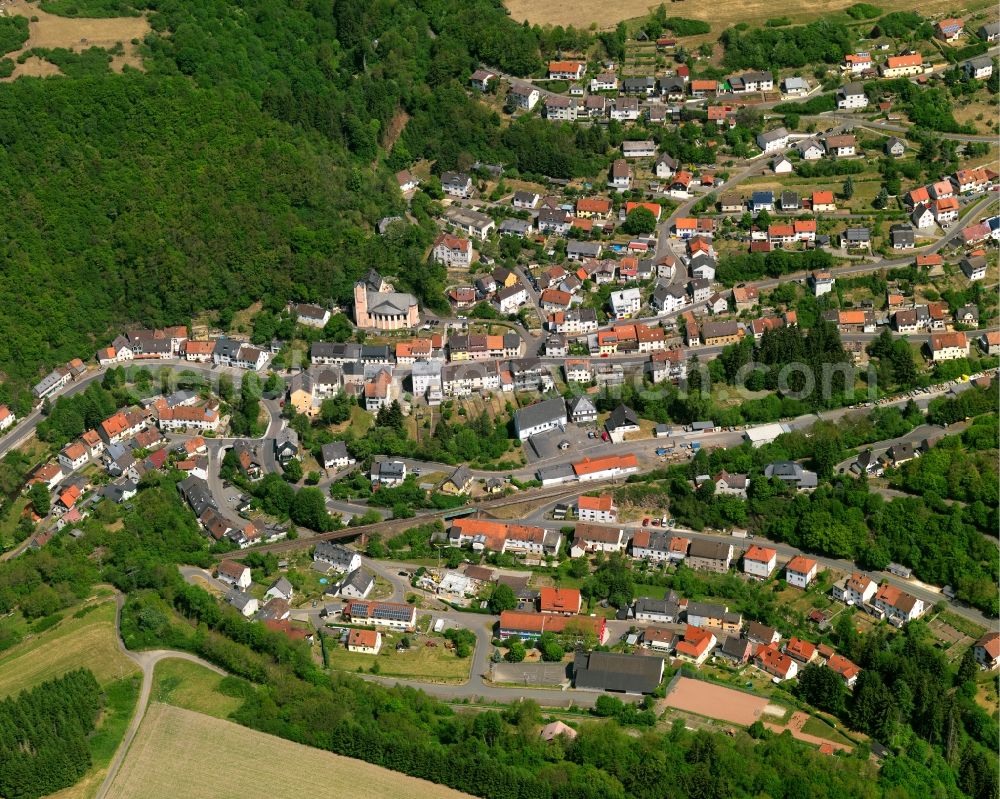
(948, 346)
(759, 562)
(523, 96)
(456, 184)
(773, 140)
(597, 509)
(452, 251)
(851, 96)
(898, 606)
(800, 571)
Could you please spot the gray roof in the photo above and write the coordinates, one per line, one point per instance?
(519, 226)
(335, 450)
(608, 671)
(706, 609)
(336, 553)
(389, 469)
(581, 403)
(390, 302)
(762, 197)
(282, 585)
(851, 89)
(550, 410)
(772, 135)
(238, 599)
(665, 607)
(791, 472)
(857, 234)
(622, 416)
(590, 249)
(712, 550)
(358, 579)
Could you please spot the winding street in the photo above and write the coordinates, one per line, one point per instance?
(146, 661)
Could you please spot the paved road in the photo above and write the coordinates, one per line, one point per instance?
(146, 660)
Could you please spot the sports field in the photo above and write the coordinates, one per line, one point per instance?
(87, 641)
(716, 701)
(180, 754)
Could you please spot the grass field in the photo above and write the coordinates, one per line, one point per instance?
(821, 729)
(51, 31)
(180, 754)
(188, 685)
(435, 664)
(87, 642)
(721, 15)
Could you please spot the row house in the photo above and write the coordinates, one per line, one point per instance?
(198, 417)
(657, 546)
(481, 347)
(968, 181)
(574, 322)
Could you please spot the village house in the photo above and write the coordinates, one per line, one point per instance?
(452, 251)
(851, 96)
(948, 346)
(898, 606)
(599, 509)
(856, 590)
(949, 30)
(696, 645)
(800, 571)
(562, 601)
(987, 651)
(523, 96)
(713, 556)
(771, 660)
(759, 562)
(367, 642)
(456, 184)
(234, 574)
(391, 615)
(898, 66)
(773, 140)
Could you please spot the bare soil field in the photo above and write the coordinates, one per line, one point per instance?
(716, 701)
(222, 759)
(721, 15)
(51, 31)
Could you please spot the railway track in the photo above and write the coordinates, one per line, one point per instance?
(390, 527)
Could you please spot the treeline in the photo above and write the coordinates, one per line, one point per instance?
(816, 354)
(754, 266)
(238, 166)
(822, 41)
(930, 108)
(44, 735)
(907, 694)
(959, 468)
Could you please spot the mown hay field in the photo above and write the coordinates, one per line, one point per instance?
(180, 754)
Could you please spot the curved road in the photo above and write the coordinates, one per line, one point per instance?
(146, 660)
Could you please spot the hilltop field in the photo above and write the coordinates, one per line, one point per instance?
(721, 15)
